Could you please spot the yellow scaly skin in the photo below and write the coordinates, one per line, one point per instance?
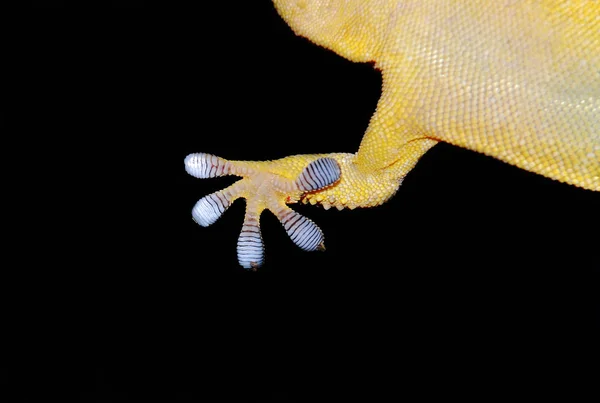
(516, 80)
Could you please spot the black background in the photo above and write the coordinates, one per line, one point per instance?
(477, 277)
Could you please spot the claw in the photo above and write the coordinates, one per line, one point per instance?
(264, 187)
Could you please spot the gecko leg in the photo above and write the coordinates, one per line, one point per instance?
(269, 185)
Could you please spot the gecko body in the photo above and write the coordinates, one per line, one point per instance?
(515, 80)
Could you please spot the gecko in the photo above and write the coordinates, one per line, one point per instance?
(515, 80)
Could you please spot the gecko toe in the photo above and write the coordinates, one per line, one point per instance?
(301, 230)
(202, 165)
(210, 208)
(319, 174)
(250, 248)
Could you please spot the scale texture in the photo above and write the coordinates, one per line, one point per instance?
(516, 80)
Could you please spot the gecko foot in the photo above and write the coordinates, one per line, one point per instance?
(269, 185)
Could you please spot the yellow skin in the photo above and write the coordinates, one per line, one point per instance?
(515, 80)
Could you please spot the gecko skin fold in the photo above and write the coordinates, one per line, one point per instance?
(515, 80)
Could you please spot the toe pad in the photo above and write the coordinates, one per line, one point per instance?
(319, 174)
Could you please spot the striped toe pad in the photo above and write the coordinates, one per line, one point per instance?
(319, 174)
(210, 208)
(301, 230)
(202, 165)
(250, 249)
